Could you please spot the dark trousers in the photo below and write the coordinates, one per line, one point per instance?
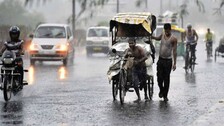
(139, 76)
(164, 67)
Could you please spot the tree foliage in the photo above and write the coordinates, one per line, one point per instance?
(199, 3)
(87, 6)
(13, 13)
(218, 10)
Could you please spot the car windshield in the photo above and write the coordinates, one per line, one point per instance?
(99, 32)
(50, 32)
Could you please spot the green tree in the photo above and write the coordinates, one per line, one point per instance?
(182, 13)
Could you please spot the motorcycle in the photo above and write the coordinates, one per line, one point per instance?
(10, 76)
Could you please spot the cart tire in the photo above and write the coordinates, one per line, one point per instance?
(150, 83)
(122, 83)
(114, 89)
(186, 70)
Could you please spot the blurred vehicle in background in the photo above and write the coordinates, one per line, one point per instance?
(219, 51)
(52, 42)
(97, 40)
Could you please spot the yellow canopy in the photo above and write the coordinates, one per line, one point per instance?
(142, 18)
(176, 28)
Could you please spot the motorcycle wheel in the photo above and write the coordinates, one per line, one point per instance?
(7, 89)
(114, 89)
(122, 83)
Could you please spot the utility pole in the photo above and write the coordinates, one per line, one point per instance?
(117, 6)
(161, 7)
(146, 5)
(73, 17)
(170, 5)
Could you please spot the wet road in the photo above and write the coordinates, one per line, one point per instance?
(79, 94)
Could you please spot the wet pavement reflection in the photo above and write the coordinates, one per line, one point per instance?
(190, 78)
(12, 112)
(80, 94)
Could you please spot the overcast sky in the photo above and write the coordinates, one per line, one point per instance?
(58, 11)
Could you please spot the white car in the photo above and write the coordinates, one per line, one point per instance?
(97, 40)
(52, 42)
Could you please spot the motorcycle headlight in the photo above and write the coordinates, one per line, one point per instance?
(7, 60)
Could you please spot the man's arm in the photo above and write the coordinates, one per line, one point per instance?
(206, 37)
(143, 54)
(126, 53)
(195, 33)
(184, 35)
(174, 53)
(2, 49)
(157, 38)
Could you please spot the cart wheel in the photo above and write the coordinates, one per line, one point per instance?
(150, 83)
(114, 89)
(122, 83)
(187, 69)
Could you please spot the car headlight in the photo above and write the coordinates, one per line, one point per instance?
(7, 60)
(33, 46)
(62, 47)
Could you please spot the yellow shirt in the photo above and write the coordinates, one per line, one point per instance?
(208, 36)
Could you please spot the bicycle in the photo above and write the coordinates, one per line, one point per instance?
(190, 57)
(209, 49)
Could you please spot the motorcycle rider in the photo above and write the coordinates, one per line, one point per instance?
(139, 67)
(191, 36)
(209, 39)
(14, 33)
